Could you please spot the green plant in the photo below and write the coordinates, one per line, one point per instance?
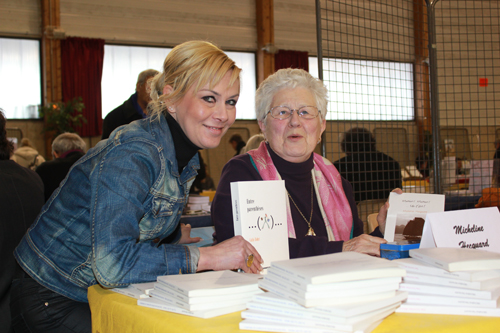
(63, 117)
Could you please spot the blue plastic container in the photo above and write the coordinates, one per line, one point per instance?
(397, 250)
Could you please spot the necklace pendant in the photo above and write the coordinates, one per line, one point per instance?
(310, 232)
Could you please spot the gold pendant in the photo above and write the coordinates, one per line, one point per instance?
(310, 232)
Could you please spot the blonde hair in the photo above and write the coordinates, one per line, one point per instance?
(191, 63)
(290, 78)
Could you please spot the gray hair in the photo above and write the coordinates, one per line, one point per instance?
(68, 141)
(289, 78)
(144, 75)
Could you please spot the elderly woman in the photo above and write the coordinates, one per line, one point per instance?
(322, 215)
(106, 222)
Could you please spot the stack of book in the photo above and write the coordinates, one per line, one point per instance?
(197, 203)
(451, 281)
(202, 295)
(342, 292)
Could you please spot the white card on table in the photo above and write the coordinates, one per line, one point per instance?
(477, 228)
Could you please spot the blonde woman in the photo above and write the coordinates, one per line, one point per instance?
(105, 223)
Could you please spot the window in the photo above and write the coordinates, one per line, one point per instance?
(367, 90)
(20, 86)
(122, 65)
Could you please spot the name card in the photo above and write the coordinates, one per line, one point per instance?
(406, 207)
(477, 228)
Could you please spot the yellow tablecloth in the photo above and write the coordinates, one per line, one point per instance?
(113, 312)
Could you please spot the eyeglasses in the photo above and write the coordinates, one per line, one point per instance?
(283, 112)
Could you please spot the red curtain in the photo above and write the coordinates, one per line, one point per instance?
(291, 59)
(81, 70)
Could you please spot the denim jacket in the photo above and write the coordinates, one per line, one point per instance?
(103, 224)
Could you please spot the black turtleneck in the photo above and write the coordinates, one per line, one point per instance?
(297, 177)
(184, 148)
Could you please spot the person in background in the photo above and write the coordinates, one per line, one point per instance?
(372, 174)
(237, 143)
(67, 148)
(106, 222)
(497, 149)
(21, 198)
(135, 108)
(207, 183)
(253, 143)
(322, 215)
(27, 156)
(423, 166)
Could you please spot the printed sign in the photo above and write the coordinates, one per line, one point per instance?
(477, 228)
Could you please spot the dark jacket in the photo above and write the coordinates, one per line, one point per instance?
(372, 174)
(53, 172)
(122, 115)
(21, 199)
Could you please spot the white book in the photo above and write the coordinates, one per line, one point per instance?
(389, 284)
(209, 313)
(135, 290)
(202, 299)
(448, 310)
(338, 267)
(449, 291)
(349, 327)
(277, 304)
(302, 287)
(452, 301)
(304, 314)
(255, 325)
(197, 307)
(457, 259)
(380, 293)
(259, 215)
(211, 283)
(417, 266)
(406, 207)
(448, 282)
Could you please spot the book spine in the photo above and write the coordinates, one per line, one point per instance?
(445, 291)
(298, 313)
(293, 321)
(165, 307)
(448, 310)
(453, 301)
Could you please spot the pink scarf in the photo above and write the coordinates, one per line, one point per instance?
(332, 201)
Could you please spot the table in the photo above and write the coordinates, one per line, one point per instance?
(113, 312)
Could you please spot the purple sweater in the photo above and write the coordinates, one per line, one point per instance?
(297, 177)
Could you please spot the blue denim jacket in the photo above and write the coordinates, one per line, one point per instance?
(103, 223)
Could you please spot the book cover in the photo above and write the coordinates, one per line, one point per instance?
(259, 215)
(448, 310)
(337, 267)
(204, 314)
(405, 207)
(417, 266)
(428, 289)
(211, 283)
(457, 259)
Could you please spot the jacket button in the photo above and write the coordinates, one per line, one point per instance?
(156, 240)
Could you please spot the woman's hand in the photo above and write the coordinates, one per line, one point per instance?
(230, 254)
(382, 214)
(186, 235)
(364, 244)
